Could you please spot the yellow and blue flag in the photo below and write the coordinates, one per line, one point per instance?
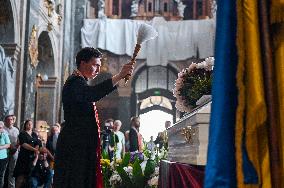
(238, 152)
(221, 159)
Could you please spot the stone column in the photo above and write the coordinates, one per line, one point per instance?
(194, 14)
(204, 13)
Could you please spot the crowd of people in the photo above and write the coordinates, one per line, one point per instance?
(115, 143)
(26, 160)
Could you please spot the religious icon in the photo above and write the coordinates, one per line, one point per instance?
(188, 133)
(33, 47)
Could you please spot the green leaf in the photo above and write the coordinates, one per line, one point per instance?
(105, 155)
(125, 160)
(149, 169)
(138, 175)
(126, 181)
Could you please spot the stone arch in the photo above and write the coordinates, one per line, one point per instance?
(147, 84)
(8, 28)
(54, 44)
(46, 57)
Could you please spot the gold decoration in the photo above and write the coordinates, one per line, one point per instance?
(49, 5)
(49, 26)
(59, 12)
(66, 72)
(33, 47)
(188, 133)
(59, 19)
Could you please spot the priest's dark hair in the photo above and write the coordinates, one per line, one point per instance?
(86, 54)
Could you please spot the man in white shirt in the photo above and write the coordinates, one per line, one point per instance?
(120, 146)
(151, 145)
(13, 133)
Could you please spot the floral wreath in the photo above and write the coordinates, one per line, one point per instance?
(192, 83)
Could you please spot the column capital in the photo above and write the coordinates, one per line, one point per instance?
(12, 50)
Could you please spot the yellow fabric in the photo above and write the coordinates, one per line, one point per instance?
(277, 11)
(252, 107)
(278, 48)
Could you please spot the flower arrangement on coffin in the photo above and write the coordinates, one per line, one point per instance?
(134, 170)
(192, 83)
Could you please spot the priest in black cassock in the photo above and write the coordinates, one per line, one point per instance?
(77, 156)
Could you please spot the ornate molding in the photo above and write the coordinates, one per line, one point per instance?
(189, 133)
(12, 50)
(49, 26)
(49, 4)
(33, 47)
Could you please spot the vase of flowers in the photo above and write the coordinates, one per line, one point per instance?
(192, 83)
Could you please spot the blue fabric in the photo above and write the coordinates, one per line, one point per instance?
(250, 174)
(221, 162)
(4, 139)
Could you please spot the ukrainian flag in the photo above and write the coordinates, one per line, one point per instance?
(221, 161)
(238, 150)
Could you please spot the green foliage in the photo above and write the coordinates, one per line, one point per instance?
(106, 175)
(126, 181)
(130, 177)
(138, 176)
(147, 153)
(196, 84)
(149, 169)
(105, 155)
(125, 160)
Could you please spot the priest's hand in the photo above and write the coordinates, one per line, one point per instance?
(127, 69)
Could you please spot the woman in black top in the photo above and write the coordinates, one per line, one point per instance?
(30, 145)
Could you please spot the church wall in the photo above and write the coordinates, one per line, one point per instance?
(118, 106)
(74, 14)
(65, 41)
(124, 112)
(14, 46)
(38, 16)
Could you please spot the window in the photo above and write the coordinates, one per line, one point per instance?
(155, 77)
(174, 9)
(150, 7)
(199, 9)
(115, 7)
(165, 7)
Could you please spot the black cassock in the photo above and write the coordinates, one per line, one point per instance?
(75, 158)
